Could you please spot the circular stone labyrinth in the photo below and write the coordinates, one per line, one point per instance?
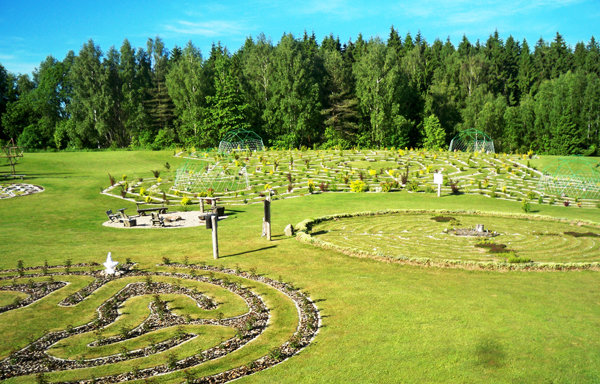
(191, 323)
(18, 189)
(430, 237)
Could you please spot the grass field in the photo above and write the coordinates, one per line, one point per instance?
(433, 235)
(381, 322)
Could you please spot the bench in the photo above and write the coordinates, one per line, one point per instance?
(157, 221)
(127, 220)
(122, 217)
(144, 211)
(114, 218)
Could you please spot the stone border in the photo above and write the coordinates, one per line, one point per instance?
(33, 359)
(305, 226)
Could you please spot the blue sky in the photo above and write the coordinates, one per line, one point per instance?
(31, 30)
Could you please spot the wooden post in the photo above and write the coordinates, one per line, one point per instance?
(201, 204)
(267, 217)
(214, 220)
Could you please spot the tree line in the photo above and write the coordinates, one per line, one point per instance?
(402, 92)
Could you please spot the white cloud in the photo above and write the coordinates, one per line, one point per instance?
(339, 8)
(453, 12)
(213, 28)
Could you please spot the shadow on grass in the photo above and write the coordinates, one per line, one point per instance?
(250, 251)
(280, 237)
(32, 176)
(234, 210)
(489, 353)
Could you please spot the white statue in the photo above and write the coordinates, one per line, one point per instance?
(110, 265)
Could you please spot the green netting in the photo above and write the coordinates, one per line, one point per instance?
(241, 140)
(200, 176)
(472, 140)
(573, 177)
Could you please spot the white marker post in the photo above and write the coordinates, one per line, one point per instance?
(438, 179)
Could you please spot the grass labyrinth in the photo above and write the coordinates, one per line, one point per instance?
(295, 173)
(192, 320)
(419, 235)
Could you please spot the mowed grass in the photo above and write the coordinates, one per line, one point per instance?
(381, 322)
(416, 234)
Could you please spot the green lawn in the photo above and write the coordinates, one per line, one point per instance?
(382, 322)
(411, 234)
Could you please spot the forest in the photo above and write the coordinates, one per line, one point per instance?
(401, 92)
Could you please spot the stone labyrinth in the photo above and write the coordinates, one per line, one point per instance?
(19, 189)
(184, 322)
(432, 236)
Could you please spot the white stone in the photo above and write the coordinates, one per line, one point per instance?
(110, 265)
(289, 230)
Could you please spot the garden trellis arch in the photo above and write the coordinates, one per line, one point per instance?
(472, 140)
(241, 140)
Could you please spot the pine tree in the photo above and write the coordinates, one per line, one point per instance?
(340, 112)
(435, 136)
(86, 77)
(134, 116)
(158, 102)
(186, 84)
(226, 109)
(526, 76)
(560, 57)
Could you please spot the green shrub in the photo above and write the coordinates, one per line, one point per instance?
(525, 206)
(311, 185)
(514, 259)
(413, 186)
(358, 186)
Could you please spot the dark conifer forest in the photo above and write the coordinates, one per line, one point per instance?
(401, 92)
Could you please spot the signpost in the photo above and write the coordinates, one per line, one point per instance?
(212, 221)
(438, 178)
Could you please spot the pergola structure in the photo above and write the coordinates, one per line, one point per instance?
(472, 140)
(241, 140)
(574, 177)
(200, 176)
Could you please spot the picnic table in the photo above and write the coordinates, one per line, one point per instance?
(145, 211)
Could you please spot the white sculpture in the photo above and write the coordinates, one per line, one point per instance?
(110, 265)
